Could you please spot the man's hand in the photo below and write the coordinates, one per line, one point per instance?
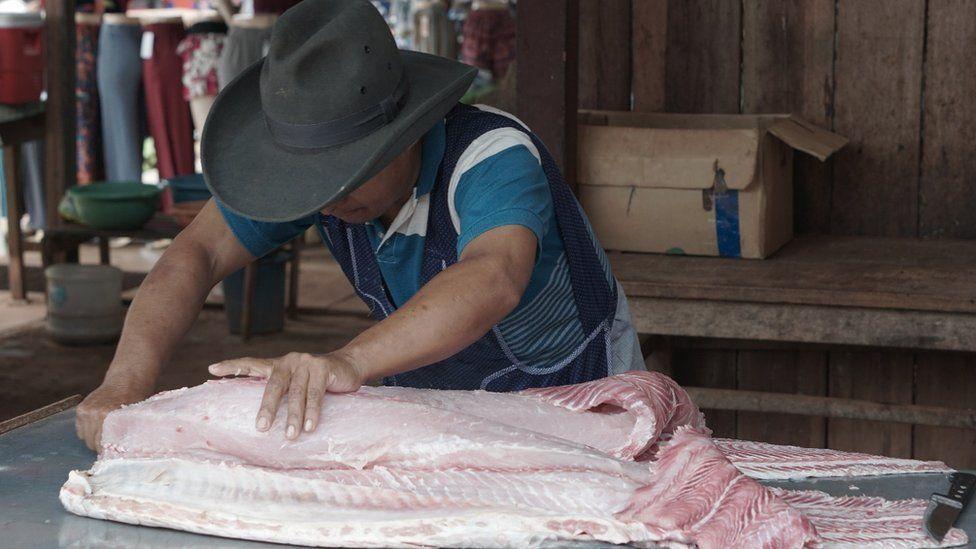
(92, 411)
(305, 377)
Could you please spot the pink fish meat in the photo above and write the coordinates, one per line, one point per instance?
(623, 460)
(773, 461)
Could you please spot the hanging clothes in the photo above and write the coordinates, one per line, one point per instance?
(168, 113)
(433, 32)
(200, 51)
(88, 135)
(489, 40)
(119, 76)
(276, 7)
(243, 47)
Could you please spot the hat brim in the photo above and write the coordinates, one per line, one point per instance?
(255, 177)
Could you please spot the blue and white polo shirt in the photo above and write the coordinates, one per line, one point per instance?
(498, 181)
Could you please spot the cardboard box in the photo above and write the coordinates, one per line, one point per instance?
(693, 184)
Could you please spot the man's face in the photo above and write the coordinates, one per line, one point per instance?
(384, 192)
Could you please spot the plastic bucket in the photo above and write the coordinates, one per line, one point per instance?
(268, 305)
(84, 303)
(188, 188)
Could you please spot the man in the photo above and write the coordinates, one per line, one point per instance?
(452, 223)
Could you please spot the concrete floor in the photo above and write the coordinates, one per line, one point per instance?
(35, 371)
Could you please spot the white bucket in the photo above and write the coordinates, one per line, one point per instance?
(84, 303)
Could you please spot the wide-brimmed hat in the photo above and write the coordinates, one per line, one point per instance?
(331, 105)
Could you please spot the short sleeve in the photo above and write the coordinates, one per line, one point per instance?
(261, 237)
(507, 188)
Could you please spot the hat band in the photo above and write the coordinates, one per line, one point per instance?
(342, 130)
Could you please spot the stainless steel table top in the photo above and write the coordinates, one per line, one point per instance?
(35, 460)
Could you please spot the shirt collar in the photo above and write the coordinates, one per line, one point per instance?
(431, 154)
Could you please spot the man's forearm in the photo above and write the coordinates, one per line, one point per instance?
(167, 304)
(449, 313)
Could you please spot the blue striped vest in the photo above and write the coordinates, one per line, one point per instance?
(489, 363)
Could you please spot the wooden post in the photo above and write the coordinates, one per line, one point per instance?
(650, 35)
(293, 271)
(247, 308)
(59, 169)
(604, 54)
(103, 250)
(547, 60)
(15, 242)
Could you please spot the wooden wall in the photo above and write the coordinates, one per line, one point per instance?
(892, 75)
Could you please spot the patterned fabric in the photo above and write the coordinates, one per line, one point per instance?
(489, 40)
(88, 138)
(200, 53)
(490, 363)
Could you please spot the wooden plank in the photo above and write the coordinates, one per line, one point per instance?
(39, 414)
(703, 54)
(946, 380)
(15, 240)
(649, 54)
(604, 54)
(803, 373)
(804, 324)
(946, 197)
(831, 407)
(709, 369)
(702, 76)
(879, 377)
(59, 166)
(864, 272)
(788, 67)
(877, 102)
(547, 61)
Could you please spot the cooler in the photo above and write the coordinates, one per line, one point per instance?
(21, 57)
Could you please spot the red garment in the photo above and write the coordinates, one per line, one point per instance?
(488, 40)
(273, 6)
(169, 114)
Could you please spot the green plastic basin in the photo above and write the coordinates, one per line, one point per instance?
(114, 206)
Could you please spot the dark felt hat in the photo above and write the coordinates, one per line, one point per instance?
(331, 105)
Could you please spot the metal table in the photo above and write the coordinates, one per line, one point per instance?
(35, 460)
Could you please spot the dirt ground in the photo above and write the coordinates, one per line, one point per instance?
(35, 371)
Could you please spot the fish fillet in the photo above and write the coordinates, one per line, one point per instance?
(775, 462)
(621, 460)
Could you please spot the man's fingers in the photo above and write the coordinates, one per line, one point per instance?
(277, 383)
(296, 402)
(313, 399)
(258, 367)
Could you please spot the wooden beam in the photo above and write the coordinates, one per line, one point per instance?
(785, 403)
(878, 83)
(946, 198)
(649, 38)
(795, 42)
(703, 56)
(39, 414)
(604, 54)
(804, 324)
(15, 241)
(59, 167)
(547, 81)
